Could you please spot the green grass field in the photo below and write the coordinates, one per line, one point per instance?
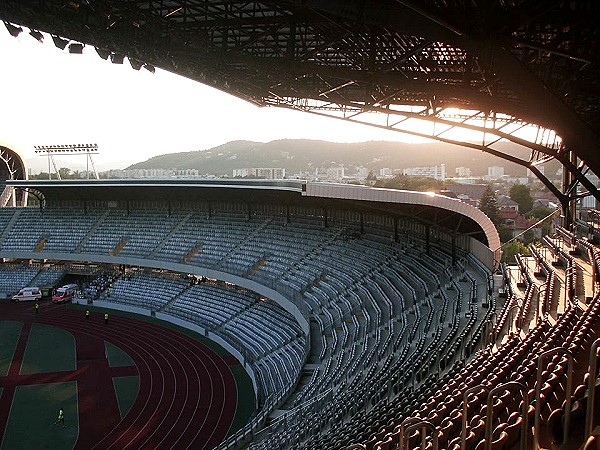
(33, 415)
(49, 349)
(245, 406)
(9, 336)
(117, 357)
(127, 389)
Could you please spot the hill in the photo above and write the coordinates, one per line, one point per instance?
(300, 155)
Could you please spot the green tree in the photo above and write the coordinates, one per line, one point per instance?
(540, 212)
(510, 250)
(521, 194)
(40, 176)
(489, 205)
(504, 232)
(412, 183)
(65, 173)
(371, 176)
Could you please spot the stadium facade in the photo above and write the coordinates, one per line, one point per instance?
(12, 167)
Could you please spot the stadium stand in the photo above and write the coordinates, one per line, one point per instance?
(371, 301)
(517, 392)
(355, 328)
(14, 277)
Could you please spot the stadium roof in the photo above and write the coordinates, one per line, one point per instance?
(507, 70)
(534, 61)
(429, 208)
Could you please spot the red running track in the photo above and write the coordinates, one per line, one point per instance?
(187, 396)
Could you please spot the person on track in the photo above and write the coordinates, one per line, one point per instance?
(105, 317)
(87, 314)
(61, 417)
(37, 308)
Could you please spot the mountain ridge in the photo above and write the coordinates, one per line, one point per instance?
(304, 155)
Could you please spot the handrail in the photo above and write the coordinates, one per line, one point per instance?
(402, 430)
(542, 289)
(298, 408)
(422, 425)
(489, 416)
(570, 292)
(538, 391)
(463, 432)
(489, 332)
(589, 419)
(511, 314)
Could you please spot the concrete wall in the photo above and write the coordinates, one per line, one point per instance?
(174, 267)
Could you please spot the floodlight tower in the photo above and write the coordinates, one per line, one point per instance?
(69, 149)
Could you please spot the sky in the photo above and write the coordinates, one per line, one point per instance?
(51, 97)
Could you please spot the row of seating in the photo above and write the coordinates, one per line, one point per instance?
(509, 304)
(515, 360)
(398, 375)
(53, 226)
(14, 277)
(388, 314)
(145, 290)
(138, 232)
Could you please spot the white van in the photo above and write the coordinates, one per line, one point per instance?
(28, 294)
(65, 293)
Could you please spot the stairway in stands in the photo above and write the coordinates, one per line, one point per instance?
(169, 235)
(91, 232)
(245, 239)
(9, 226)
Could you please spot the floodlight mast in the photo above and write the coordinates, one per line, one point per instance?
(69, 149)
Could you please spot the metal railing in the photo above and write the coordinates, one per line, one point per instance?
(592, 378)
(511, 386)
(538, 392)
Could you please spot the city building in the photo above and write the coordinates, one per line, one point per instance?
(267, 173)
(507, 203)
(530, 174)
(517, 224)
(494, 173)
(468, 193)
(463, 172)
(362, 172)
(335, 173)
(152, 173)
(437, 172)
(588, 202)
(386, 172)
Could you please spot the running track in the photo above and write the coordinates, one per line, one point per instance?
(187, 396)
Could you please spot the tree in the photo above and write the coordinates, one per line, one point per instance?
(65, 173)
(521, 194)
(409, 183)
(40, 176)
(513, 248)
(489, 205)
(541, 213)
(504, 233)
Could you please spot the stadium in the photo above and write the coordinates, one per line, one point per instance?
(282, 314)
